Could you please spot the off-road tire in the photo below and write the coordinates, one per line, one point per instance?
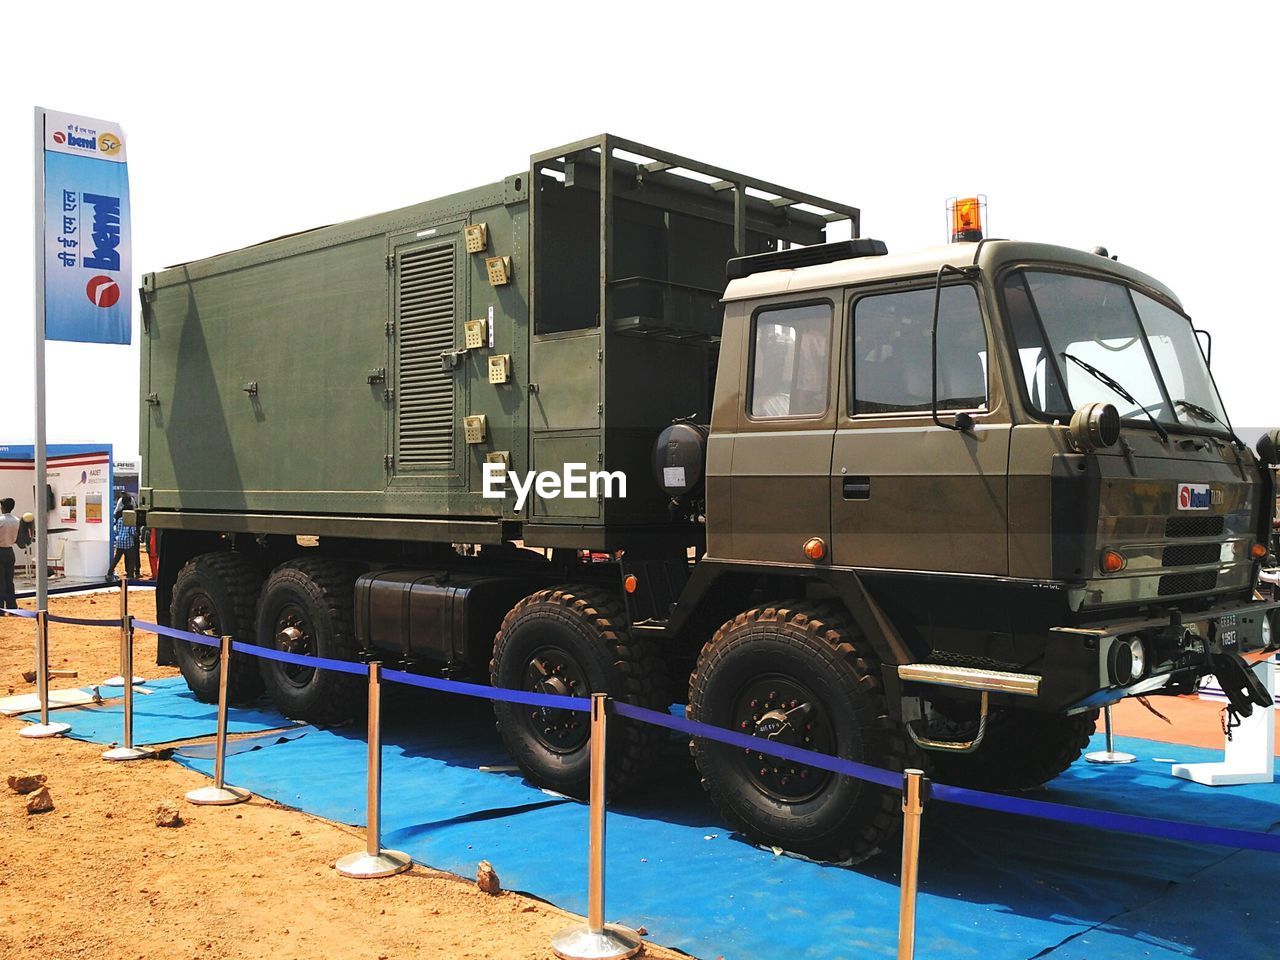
(1021, 749)
(323, 591)
(229, 584)
(819, 646)
(588, 625)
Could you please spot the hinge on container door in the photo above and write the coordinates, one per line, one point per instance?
(391, 261)
(388, 395)
(390, 328)
(153, 399)
(388, 461)
(599, 355)
(599, 409)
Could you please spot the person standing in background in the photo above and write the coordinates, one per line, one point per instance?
(9, 527)
(126, 539)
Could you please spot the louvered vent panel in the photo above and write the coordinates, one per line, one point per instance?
(424, 393)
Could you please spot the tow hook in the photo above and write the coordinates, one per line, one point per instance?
(1239, 683)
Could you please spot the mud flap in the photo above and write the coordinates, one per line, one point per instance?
(1239, 683)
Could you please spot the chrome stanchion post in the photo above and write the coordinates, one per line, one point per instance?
(912, 811)
(44, 728)
(126, 639)
(373, 861)
(126, 750)
(597, 940)
(220, 794)
(1109, 755)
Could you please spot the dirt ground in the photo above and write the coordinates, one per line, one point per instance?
(95, 877)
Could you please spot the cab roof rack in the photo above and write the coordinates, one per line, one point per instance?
(740, 267)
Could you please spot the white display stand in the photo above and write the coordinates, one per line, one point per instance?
(1250, 753)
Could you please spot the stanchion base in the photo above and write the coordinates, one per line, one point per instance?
(217, 796)
(366, 866)
(612, 943)
(1110, 756)
(118, 681)
(126, 753)
(34, 731)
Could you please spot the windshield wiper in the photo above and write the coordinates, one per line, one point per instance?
(1114, 385)
(1208, 415)
(1201, 412)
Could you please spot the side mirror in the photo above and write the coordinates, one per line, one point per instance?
(1095, 426)
(1269, 447)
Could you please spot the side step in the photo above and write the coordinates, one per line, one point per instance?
(971, 678)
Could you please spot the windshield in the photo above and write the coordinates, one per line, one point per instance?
(1102, 330)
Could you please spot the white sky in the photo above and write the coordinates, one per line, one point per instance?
(1147, 128)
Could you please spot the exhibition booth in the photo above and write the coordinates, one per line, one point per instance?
(78, 502)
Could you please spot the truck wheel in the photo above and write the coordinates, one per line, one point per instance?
(215, 594)
(805, 673)
(306, 608)
(1020, 750)
(573, 641)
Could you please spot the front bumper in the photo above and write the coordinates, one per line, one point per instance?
(1177, 649)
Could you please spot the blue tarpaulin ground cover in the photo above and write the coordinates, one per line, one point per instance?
(992, 886)
(171, 712)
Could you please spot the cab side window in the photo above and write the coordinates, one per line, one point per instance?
(790, 361)
(892, 354)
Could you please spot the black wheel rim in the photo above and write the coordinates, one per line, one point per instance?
(293, 634)
(784, 710)
(553, 670)
(202, 617)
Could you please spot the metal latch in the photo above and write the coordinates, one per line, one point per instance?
(153, 399)
(376, 375)
(251, 388)
(450, 359)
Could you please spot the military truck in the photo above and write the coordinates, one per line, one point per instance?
(934, 507)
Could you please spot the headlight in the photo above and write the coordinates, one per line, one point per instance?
(1138, 657)
(1127, 661)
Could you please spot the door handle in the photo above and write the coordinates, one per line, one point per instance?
(857, 488)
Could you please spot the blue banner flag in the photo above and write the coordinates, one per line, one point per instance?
(87, 280)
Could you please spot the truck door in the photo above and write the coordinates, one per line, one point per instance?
(906, 493)
(426, 391)
(779, 494)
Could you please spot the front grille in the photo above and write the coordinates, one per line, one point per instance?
(1190, 554)
(1194, 527)
(1173, 584)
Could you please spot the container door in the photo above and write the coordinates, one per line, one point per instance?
(906, 493)
(427, 385)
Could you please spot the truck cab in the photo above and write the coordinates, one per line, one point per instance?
(1015, 457)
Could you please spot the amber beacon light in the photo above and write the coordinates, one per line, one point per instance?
(966, 215)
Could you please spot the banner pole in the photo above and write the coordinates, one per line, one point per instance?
(40, 508)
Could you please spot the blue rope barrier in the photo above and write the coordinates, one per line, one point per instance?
(29, 614)
(81, 622)
(999, 803)
(300, 659)
(524, 697)
(176, 634)
(1106, 820)
(850, 768)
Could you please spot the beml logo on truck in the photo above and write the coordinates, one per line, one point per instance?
(1194, 496)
